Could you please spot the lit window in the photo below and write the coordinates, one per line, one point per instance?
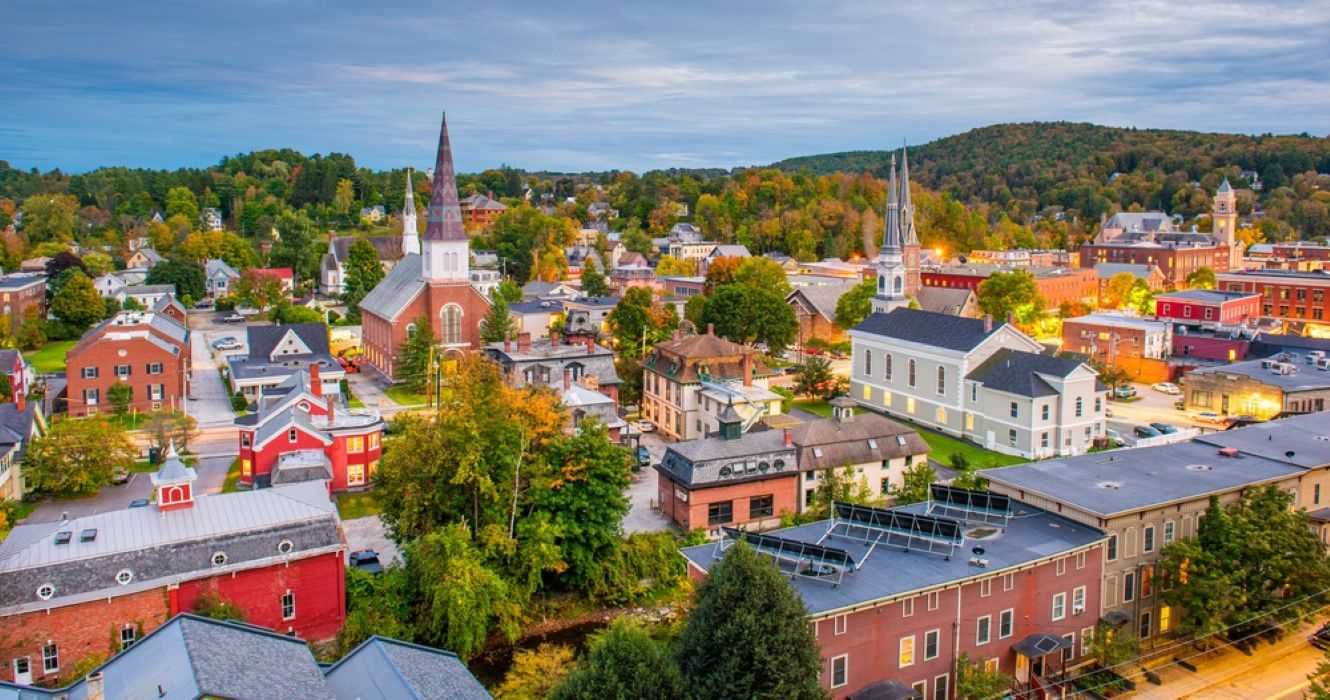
(355, 443)
(355, 474)
(373, 441)
(906, 657)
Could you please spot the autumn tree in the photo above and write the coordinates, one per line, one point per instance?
(1011, 294)
(537, 673)
(78, 303)
(1201, 278)
(171, 428)
(49, 217)
(1116, 290)
(670, 266)
(363, 273)
(720, 272)
(855, 304)
(639, 322)
(257, 290)
(76, 457)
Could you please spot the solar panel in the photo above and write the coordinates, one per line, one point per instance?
(971, 505)
(909, 531)
(810, 560)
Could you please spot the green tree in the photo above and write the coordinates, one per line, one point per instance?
(171, 428)
(746, 603)
(1007, 294)
(1318, 681)
(1111, 646)
(49, 217)
(288, 313)
(1201, 278)
(593, 280)
(187, 277)
(855, 305)
(815, 378)
(78, 303)
(257, 290)
(413, 357)
(917, 479)
(639, 320)
(624, 662)
(97, 264)
(363, 273)
(763, 273)
(842, 485)
(376, 604)
(180, 201)
(211, 604)
(498, 323)
(747, 315)
(343, 196)
(508, 291)
(670, 266)
(120, 395)
(76, 457)
(31, 332)
(1141, 299)
(536, 673)
(973, 682)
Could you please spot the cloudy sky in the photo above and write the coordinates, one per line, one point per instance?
(575, 85)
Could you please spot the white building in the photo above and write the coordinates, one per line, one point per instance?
(969, 378)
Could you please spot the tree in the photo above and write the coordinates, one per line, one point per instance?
(49, 217)
(171, 428)
(720, 272)
(97, 264)
(508, 291)
(1201, 278)
(413, 357)
(120, 395)
(763, 273)
(746, 603)
(1141, 298)
(973, 682)
(855, 305)
(536, 673)
(460, 598)
(180, 201)
(1111, 646)
(670, 266)
(31, 332)
(593, 280)
(363, 273)
(376, 604)
(211, 604)
(917, 479)
(498, 323)
(78, 303)
(187, 277)
(343, 196)
(1008, 294)
(842, 486)
(1116, 289)
(257, 290)
(288, 313)
(76, 457)
(747, 315)
(624, 661)
(1318, 681)
(815, 378)
(639, 321)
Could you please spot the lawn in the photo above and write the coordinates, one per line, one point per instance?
(232, 483)
(51, 358)
(358, 505)
(353, 401)
(403, 396)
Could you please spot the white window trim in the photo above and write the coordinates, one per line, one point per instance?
(900, 651)
(841, 623)
(1059, 601)
(937, 651)
(907, 607)
(845, 658)
(983, 623)
(1011, 629)
(1078, 592)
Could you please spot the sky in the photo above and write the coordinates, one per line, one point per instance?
(574, 85)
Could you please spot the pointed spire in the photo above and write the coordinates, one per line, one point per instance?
(444, 222)
(410, 235)
(891, 236)
(908, 236)
(409, 208)
(1225, 187)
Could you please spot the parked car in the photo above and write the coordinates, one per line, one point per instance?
(1164, 428)
(1239, 422)
(643, 457)
(1208, 417)
(1321, 637)
(644, 426)
(1114, 437)
(1166, 388)
(366, 560)
(1145, 431)
(233, 318)
(139, 503)
(1125, 391)
(227, 343)
(120, 476)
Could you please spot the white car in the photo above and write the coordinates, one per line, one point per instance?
(644, 426)
(1208, 417)
(1166, 388)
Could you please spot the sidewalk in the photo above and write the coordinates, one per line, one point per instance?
(1180, 683)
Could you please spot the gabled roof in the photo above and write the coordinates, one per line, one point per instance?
(387, 247)
(729, 251)
(136, 290)
(214, 267)
(867, 437)
(1018, 372)
(19, 280)
(929, 328)
(263, 340)
(389, 669)
(944, 300)
(820, 299)
(288, 419)
(396, 290)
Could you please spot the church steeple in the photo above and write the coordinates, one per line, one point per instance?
(890, 263)
(908, 236)
(447, 254)
(891, 236)
(410, 236)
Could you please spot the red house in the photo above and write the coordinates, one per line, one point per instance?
(1207, 306)
(1013, 587)
(93, 585)
(299, 434)
(147, 351)
(285, 275)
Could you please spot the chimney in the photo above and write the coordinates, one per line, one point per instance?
(590, 345)
(1011, 318)
(507, 343)
(711, 329)
(988, 323)
(554, 337)
(748, 368)
(678, 334)
(95, 686)
(789, 437)
(524, 342)
(332, 410)
(315, 384)
(20, 400)
(567, 378)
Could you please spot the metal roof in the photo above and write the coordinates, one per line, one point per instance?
(928, 328)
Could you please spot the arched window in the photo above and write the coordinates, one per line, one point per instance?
(451, 330)
(899, 282)
(881, 283)
(910, 372)
(410, 329)
(868, 362)
(886, 363)
(941, 380)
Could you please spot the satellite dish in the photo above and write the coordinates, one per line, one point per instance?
(978, 551)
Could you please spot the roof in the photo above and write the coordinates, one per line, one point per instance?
(759, 455)
(387, 247)
(720, 358)
(867, 437)
(929, 328)
(1224, 187)
(1129, 480)
(1119, 320)
(1307, 437)
(443, 221)
(1019, 372)
(1206, 296)
(1041, 644)
(944, 300)
(386, 668)
(396, 290)
(263, 340)
(19, 280)
(1108, 270)
(301, 465)
(1141, 221)
(17, 426)
(282, 273)
(134, 290)
(1303, 378)
(480, 201)
(591, 302)
(730, 251)
(173, 470)
(884, 573)
(820, 299)
(885, 690)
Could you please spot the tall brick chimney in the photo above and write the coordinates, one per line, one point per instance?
(988, 322)
(332, 410)
(567, 378)
(789, 437)
(748, 368)
(590, 345)
(554, 337)
(315, 384)
(523, 342)
(507, 343)
(711, 329)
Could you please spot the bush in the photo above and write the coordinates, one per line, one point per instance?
(640, 565)
(59, 330)
(225, 304)
(212, 605)
(239, 402)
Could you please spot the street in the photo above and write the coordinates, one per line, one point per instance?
(1272, 672)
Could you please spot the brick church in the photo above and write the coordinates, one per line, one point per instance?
(434, 283)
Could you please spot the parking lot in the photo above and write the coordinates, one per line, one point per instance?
(1152, 406)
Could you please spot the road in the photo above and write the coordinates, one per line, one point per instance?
(1272, 672)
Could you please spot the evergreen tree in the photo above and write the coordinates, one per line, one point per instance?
(593, 280)
(414, 356)
(498, 323)
(363, 273)
(815, 378)
(748, 634)
(624, 663)
(917, 480)
(78, 303)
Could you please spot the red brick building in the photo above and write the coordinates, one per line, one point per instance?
(147, 351)
(22, 294)
(1056, 284)
(299, 434)
(1138, 346)
(434, 285)
(1014, 588)
(1195, 307)
(815, 310)
(1286, 294)
(1175, 261)
(480, 211)
(90, 586)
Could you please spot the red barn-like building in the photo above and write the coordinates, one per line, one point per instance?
(1207, 306)
(434, 285)
(90, 586)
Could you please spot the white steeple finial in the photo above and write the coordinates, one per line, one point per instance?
(410, 237)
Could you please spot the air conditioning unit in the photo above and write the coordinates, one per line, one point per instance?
(1077, 610)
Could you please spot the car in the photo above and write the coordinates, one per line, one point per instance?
(139, 503)
(1164, 428)
(644, 426)
(366, 560)
(1208, 417)
(1114, 437)
(233, 318)
(1125, 391)
(227, 343)
(120, 476)
(1239, 422)
(1145, 431)
(1166, 388)
(793, 369)
(643, 457)
(1108, 413)
(1321, 637)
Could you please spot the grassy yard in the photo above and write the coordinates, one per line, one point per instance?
(232, 483)
(358, 505)
(353, 401)
(403, 396)
(51, 358)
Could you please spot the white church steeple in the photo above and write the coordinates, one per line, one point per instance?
(890, 257)
(447, 255)
(410, 236)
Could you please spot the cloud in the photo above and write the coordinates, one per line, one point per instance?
(582, 85)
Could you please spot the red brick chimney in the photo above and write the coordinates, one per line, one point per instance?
(748, 368)
(590, 345)
(567, 378)
(315, 384)
(20, 400)
(523, 342)
(332, 410)
(789, 437)
(507, 343)
(711, 329)
(554, 337)
(988, 322)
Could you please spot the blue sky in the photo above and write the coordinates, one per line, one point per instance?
(575, 85)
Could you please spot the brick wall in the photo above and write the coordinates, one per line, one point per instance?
(106, 354)
(317, 582)
(691, 514)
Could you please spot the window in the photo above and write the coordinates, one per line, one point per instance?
(451, 329)
(983, 629)
(886, 365)
(934, 599)
(1087, 638)
(1059, 606)
(868, 362)
(1008, 581)
(1078, 600)
(1080, 560)
(122, 370)
(1011, 436)
(907, 607)
(355, 474)
(218, 558)
(840, 670)
(985, 588)
(128, 635)
(974, 392)
(89, 372)
(1111, 549)
(1006, 620)
(840, 624)
(941, 380)
(1168, 533)
(373, 441)
(931, 644)
(1316, 494)
(154, 368)
(920, 689)
(1144, 631)
(1148, 539)
(1043, 412)
(1070, 651)
(720, 513)
(760, 506)
(92, 396)
(940, 684)
(1147, 578)
(909, 374)
(1060, 567)
(1015, 410)
(288, 605)
(156, 391)
(1165, 618)
(1098, 405)
(355, 443)
(50, 657)
(23, 670)
(244, 440)
(1129, 586)
(291, 435)
(1080, 406)
(906, 652)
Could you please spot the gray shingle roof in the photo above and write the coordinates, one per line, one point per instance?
(263, 339)
(389, 669)
(820, 299)
(19, 280)
(868, 437)
(944, 300)
(928, 328)
(215, 267)
(396, 290)
(701, 462)
(1017, 372)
